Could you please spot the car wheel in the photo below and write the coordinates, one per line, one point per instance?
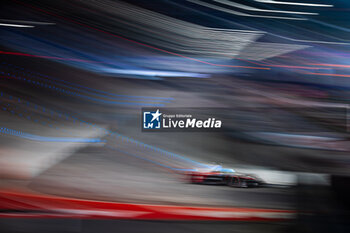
(234, 182)
(244, 184)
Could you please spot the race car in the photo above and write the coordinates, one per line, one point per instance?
(224, 176)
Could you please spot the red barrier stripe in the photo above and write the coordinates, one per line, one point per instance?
(45, 206)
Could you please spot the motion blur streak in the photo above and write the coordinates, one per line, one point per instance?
(158, 163)
(83, 96)
(262, 10)
(294, 3)
(47, 139)
(330, 65)
(331, 75)
(26, 22)
(178, 35)
(240, 13)
(311, 67)
(105, 94)
(16, 25)
(250, 35)
(155, 73)
(42, 56)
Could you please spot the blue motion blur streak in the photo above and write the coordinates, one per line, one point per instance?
(103, 62)
(47, 139)
(149, 160)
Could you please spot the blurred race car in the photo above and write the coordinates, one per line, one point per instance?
(225, 176)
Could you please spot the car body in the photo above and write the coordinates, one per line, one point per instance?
(224, 176)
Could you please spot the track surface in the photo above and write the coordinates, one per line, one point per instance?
(89, 226)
